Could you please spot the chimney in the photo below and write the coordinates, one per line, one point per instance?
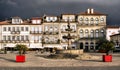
(92, 11)
(88, 11)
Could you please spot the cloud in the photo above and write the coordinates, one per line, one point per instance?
(99, 2)
(8, 2)
(31, 8)
(11, 2)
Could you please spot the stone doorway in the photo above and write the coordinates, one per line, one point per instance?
(81, 45)
(86, 47)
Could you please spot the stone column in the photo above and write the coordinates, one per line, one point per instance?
(94, 46)
(83, 45)
(89, 46)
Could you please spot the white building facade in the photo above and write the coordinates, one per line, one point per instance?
(111, 30)
(48, 31)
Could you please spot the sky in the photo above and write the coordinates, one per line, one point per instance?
(37, 8)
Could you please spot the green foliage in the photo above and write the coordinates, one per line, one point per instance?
(21, 48)
(106, 46)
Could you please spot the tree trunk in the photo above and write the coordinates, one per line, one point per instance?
(107, 52)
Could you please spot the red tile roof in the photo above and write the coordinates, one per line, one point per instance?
(36, 18)
(115, 35)
(4, 22)
(16, 17)
(94, 13)
(112, 27)
(67, 14)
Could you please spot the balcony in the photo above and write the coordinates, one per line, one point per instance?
(73, 31)
(90, 38)
(24, 41)
(52, 42)
(35, 32)
(36, 41)
(51, 33)
(7, 41)
(64, 31)
(15, 32)
(15, 41)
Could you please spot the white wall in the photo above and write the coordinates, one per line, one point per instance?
(111, 31)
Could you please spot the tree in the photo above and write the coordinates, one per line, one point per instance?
(107, 46)
(21, 48)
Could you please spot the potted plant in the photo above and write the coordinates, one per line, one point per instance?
(22, 50)
(107, 46)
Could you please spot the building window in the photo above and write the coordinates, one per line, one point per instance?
(9, 28)
(86, 33)
(86, 21)
(26, 28)
(22, 38)
(81, 20)
(64, 27)
(66, 19)
(46, 28)
(22, 28)
(97, 21)
(40, 38)
(55, 29)
(4, 37)
(51, 29)
(18, 38)
(54, 19)
(17, 29)
(9, 38)
(102, 33)
(92, 21)
(92, 46)
(27, 38)
(46, 39)
(92, 34)
(73, 27)
(35, 38)
(40, 29)
(86, 45)
(48, 19)
(4, 29)
(13, 28)
(97, 33)
(102, 19)
(36, 29)
(13, 37)
(81, 33)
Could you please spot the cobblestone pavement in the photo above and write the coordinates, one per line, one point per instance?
(8, 60)
(61, 68)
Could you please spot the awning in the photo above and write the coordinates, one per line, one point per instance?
(52, 46)
(10, 45)
(35, 46)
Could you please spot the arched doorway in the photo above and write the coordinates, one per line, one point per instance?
(91, 46)
(96, 46)
(81, 45)
(86, 47)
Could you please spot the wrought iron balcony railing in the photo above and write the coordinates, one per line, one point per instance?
(36, 41)
(35, 32)
(53, 42)
(51, 33)
(15, 32)
(15, 41)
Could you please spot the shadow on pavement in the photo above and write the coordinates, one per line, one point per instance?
(11, 60)
(93, 60)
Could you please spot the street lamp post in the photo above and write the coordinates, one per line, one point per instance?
(68, 37)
